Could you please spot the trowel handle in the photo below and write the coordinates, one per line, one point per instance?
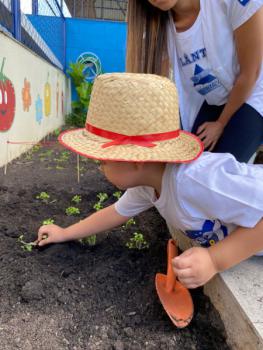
(172, 252)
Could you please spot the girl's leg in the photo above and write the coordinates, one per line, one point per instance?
(242, 135)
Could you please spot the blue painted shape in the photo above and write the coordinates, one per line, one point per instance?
(243, 2)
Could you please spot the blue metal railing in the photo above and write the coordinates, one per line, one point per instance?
(17, 24)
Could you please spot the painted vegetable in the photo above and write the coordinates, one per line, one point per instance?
(26, 96)
(7, 101)
(47, 98)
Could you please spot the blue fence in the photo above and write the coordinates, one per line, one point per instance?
(45, 27)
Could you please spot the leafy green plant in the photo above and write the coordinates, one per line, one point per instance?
(63, 157)
(129, 223)
(76, 199)
(56, 132)
(43, 196)
(83, 89)
(70, 211)
(117, 194)
(90, 240)
(102, 198)
(28, 246)
(48, 221)
(137, 242)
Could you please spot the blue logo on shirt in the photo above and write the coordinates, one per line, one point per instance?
(202, 77)
(211, 233)
(243, 2)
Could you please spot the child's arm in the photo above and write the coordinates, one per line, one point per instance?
(196, 266)
(102, 220)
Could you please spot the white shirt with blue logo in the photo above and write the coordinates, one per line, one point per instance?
(195, 68)
(205, 199)
(205, 63)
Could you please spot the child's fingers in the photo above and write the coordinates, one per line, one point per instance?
(184, 274)
(183, 261)
(43, 232)
(43, 241)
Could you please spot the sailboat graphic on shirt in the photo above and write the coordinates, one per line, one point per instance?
(204, 78)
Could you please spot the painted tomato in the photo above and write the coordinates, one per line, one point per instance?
(7, 101)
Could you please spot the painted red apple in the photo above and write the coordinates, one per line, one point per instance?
(7, 101)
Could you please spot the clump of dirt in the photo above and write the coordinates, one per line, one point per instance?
(78, 297)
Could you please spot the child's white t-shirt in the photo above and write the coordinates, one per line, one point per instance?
(205, 199)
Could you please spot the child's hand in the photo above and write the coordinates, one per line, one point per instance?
(50, 234)
(194, 267)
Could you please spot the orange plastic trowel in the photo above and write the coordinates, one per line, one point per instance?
(175, 298)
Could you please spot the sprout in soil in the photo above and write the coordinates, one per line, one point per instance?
(102, 198)
(43, 196)
(72, 211)
(76, 199)
(117, 194)
(48, 221)
(90, 240)
(129, 223)
(137, 242)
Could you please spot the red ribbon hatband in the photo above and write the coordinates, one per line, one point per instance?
(138, 140)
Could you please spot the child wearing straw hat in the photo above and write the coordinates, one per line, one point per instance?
(132, 127)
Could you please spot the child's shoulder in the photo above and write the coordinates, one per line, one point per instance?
(210, 164)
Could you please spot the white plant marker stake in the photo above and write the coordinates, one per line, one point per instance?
(6, 161)
(78, 166)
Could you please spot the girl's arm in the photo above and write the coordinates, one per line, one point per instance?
(249, 46)
(102, 220)
(196, 266)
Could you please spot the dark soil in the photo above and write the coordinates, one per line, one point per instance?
(71, 296)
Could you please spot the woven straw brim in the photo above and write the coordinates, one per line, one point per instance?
(185, 148)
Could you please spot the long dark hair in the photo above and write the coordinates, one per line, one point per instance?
(147, 39)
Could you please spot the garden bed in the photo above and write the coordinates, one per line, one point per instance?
(74, 296)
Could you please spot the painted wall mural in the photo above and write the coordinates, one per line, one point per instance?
(7, 100)
(26, 96)
(47, 97)
(39, 109)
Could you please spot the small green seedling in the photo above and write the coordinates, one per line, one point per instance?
(129, 223)
(28, 246)
(63, 157)
(43, 196)
(117, 194)
(76, 199)
(56, 132)
(70, 211)
(90, 240)
(137, 242)
(98, 206)
(102, 198)
(48, 222)
(58, 167)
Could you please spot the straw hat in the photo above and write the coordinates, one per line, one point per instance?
(133, 117)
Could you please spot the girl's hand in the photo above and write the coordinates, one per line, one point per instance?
(194, 267)
(50, 234)
(209, 133)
